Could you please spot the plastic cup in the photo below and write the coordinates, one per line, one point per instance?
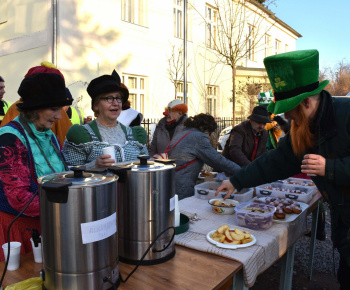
(38, 258)
(110, 151)
(15, 251)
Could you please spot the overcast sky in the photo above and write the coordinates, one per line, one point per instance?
(324, 25)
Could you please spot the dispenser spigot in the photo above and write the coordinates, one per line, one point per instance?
(35, 236)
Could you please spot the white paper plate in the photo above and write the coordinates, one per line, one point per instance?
(228, 246)
(289, 216)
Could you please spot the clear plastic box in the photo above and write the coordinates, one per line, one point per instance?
(308, 183)
(282, 190)
(206, 190)
(260, 218)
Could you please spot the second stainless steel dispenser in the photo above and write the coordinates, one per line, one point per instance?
(146, 207)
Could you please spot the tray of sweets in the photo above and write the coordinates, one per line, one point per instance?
(287, 210)
(282, 190)
(308, 183)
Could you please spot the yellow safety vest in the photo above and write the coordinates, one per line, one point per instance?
(77, 116)
(6, 107)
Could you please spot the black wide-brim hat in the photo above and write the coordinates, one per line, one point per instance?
(260, 115)
(43, 90)
(107, 84)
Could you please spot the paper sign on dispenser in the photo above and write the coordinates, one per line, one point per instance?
(99, 230)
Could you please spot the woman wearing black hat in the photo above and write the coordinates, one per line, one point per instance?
(84, 144)
(28, 150)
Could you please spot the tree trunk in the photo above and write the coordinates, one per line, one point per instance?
(234, 95)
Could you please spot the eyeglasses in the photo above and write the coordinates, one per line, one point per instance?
(169, 110)
(110, 100)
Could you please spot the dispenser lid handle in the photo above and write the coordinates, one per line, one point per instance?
(78, 170)
(143, 159)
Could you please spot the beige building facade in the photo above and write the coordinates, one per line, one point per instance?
(89, 38)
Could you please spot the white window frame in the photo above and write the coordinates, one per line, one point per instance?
(211, 26)
(278, 44)
(135, 11)
(267, 48)
(180, 91)
(178, 19)
(286, 48)
(251, 43)
(212, 97)
(137, 91)
(3, 11)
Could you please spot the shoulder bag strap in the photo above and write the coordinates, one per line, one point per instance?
(188, 163)
(168, 149)
(31, 134)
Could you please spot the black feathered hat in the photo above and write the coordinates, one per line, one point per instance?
(106, 84)
(43, 90)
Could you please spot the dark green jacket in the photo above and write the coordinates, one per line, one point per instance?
(333, 144)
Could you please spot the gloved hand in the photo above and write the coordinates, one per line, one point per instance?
(279, 120)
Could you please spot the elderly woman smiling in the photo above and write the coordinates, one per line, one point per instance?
(84, 144)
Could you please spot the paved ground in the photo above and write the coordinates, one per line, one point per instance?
(324, 264)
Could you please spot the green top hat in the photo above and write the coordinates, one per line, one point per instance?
(265, 98)
(293, 77)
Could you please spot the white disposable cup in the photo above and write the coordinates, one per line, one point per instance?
(38, 258)
(110, 151)
(15, 251)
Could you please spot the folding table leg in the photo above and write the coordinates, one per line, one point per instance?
(287, 269)
(238, 281)
(313, 238)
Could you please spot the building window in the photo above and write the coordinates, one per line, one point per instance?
(251, 43)
(267, 45)
(211, 26)
(134, 11)
(212, 93)
(3, 11)
(178, 19)
(180, 91)
(277, 46)
(286, 48)
(178, 22)
(137, 92)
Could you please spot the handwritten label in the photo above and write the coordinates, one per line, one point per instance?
(99, 230)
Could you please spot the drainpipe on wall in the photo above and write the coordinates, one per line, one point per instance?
(54, 32)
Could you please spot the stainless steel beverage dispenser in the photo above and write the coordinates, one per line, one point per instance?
(146, 208)
(78, 230)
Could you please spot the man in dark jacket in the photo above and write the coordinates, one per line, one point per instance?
(317, 144)
(247, 140)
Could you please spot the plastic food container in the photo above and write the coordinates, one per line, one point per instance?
(255, 216)
(206, 190)
(307, 183)
(281, 190)
(226, 206)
